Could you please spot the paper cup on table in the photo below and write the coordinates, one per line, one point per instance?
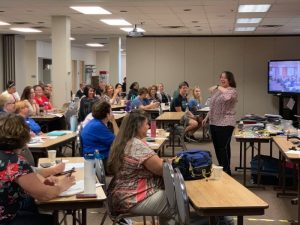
(217, 172)
(52, 156)
(123, 102)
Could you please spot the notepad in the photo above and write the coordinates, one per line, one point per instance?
(56, 133)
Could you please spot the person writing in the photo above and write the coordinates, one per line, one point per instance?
(222, 117)
(17, 179)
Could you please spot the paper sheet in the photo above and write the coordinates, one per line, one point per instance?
(290, 103)
(76, 188)
(69, 166)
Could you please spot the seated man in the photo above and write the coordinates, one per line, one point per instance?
(180, 104)
(141, 101)
(96, 135)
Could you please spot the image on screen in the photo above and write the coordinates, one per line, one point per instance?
(284, 76)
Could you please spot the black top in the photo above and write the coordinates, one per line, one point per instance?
(79, 93)
(164, 97)
(179, 101)
(85, 108)
(132, 94)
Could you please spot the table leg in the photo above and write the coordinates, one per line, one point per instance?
(258, 164)
(271, 147)
(212, 220)
(244, 169)
(55, 217)
(240, 220)
(73, 147)
(84, 216)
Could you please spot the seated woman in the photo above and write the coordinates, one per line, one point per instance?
(41, 99)
(195, 100)
(23, 110)
(133, 91)
(111, 95)
(96, 135)
(153, 96)
(138, 170)
(87, 102)
(18, 180)
(28, 96)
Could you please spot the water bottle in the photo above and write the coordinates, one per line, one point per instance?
(186, 107)
(73, 123)
(153, 128)
(89, 174)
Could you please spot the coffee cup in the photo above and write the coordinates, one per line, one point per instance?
(123, 102)
(217, 172)
(52, 156)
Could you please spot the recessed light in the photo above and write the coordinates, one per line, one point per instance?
(254, 8)
(129, 29)
(25, 29)
(248, 20)
(2, 23)
(115, 22)
(94, 45)
(91, 10)
(245, 29)
(72, 39)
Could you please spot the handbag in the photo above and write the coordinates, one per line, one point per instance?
(193, 164)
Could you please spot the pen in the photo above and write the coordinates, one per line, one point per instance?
(72, 170)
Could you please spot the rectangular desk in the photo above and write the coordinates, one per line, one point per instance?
(58, 142)
(224, 197)
(284, 145)
(160, 140)
(46, 120)
(244, 139)
(118, 107)
(171, 118)
(71, 202)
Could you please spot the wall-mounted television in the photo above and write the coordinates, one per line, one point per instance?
(284, 77)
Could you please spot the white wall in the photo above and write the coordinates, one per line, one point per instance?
(200, 60)
(102, 61)
(83, 54)
(20, 67)
(31, 62)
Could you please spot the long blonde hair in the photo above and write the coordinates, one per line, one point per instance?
(128, 130)
(192, 95)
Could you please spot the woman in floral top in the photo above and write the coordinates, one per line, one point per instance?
(222, 117)
(137, 186)
(17, 180)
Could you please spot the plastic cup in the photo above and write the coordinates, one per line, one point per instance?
(52, 156)
(217, 172)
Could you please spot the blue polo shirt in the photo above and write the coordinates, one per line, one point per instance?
(96, 135)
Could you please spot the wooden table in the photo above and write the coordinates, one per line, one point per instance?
(284, 145)
(57, 142)
(244, 139)
(171, 118)
(119, 116)
(46, 120)
(71, 202)
(118, 107)
(160, 140)
(224, 197)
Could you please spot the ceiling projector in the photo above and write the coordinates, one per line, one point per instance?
(135, 32)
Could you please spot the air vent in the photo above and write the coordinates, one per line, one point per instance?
(173, 27)
(20, 23)
(270, 26)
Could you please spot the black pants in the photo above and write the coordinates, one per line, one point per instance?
(221, 137)
(30, 218)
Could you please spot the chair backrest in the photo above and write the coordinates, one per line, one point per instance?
(169, 176)
(27, 154)
(181, 199)
(100, 173)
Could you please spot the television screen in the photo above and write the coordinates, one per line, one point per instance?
(284, 77)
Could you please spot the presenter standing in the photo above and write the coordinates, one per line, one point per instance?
(222, 117)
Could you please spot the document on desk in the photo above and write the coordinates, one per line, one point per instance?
(293, 152)
(69, 166)
(76, 188)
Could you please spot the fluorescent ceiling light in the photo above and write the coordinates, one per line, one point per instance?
(91, 10)
(116, 22)
(94, 45)
(2, 23)
(25, 29)
(245, 28)
(72, 39)
(129, 29)
(248, 20)
(254, 8)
